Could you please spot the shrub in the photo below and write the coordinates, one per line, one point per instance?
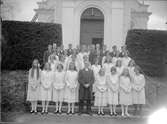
(24, 41)
(147, 48)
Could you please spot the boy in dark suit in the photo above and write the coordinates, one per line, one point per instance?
(86, 80)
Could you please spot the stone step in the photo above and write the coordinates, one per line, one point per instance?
(52, 107)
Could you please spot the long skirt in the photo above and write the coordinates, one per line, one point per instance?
(125, 98)
(112, 97)
(100, 98)
(70, 95)
(33, 95)
(58, 95)
(138, 97)
(45, 95)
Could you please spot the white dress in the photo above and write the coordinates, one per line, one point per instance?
(76, 63)
(113, 89)
(119, 70)
(81, 60)
(101, 91)
(46, 85)
(58, 86)
(71, 79)
(33, 86)
(125, 61)
(96, 69)
(138, 91)
(125, 91)
(107, 67)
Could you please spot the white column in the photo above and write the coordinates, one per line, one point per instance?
(117, 24)
(68, 26)
(58, 11)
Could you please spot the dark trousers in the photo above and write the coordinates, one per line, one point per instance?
(81, 106)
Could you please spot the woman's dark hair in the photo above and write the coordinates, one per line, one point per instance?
(33, 68)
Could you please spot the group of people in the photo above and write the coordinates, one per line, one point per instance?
(76, 75)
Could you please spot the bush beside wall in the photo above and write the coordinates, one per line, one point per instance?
(147, 48)
(24, 41)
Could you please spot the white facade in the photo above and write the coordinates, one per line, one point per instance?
(119, 17)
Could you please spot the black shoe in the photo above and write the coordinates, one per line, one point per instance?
(36, 113)
(42, 113)
(46, 113)
(115, 114)
(111, 114)
(102, 113)
(31, 112)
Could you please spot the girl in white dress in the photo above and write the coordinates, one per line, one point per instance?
(71, 79)
(34, 85)
(125, 60)
(96, 68)
(131, 67)
(53, 60)
(46, 87)
(58, 87)
(138, 91)
(119, 67)
(125, 91)
(108, 64)
(113, 89)
(101, 91)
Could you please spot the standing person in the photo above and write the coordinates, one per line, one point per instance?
(34, 85)
(125, 91)
(71, 80)
(101, 91)
(108, 64)
(86, 80)
(58, 87)
(47, 53)
(114, 51)
(46, 87)
(53, 60)
(113, 89)
(54, 47)
(138, 91)
(104, 51)
(131, 67)
(96, 68)
(125, 60)
(92, 54)
(69, 50)
(80, 57)
(73, 58)
(119, 67)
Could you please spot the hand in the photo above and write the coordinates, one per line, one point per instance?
(87, 85)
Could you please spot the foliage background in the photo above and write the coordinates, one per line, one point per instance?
(148, 49)
(24, 41)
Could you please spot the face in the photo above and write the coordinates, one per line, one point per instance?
(59, 68)
(50, 47)
(104, 47)
(47, 66)
(71, 66)
(35, 63)
(97, 46)
(102, 72)
(131, 63)
(119, 63)
(136, 71)
(114, 48)
(113, 71)
(86, 64)
(85, 58)
(126, 72)
(108, 58)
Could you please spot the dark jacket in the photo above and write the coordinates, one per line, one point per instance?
(85, 77)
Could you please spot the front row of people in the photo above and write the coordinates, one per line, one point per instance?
(71, 87)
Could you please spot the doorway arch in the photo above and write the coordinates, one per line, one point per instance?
(92, 26)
